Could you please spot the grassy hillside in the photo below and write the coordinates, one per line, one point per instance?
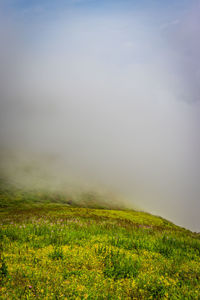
(61, 251)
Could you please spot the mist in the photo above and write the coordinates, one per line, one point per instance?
(104, 97)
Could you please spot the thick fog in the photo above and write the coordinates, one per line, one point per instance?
(106, 99)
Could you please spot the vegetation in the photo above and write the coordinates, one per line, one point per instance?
(60, 251)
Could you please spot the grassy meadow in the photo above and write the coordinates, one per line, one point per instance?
(51, 248)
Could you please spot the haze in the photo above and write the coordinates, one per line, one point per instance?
(104, 95)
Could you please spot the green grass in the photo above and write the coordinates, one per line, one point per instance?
(56, 250)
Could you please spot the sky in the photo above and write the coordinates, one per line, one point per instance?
(104, 95)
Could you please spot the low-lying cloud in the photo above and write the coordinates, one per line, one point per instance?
(98, 101)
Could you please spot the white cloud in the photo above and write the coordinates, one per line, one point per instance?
(98, 92)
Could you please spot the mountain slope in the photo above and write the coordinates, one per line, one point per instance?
(57, 251)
